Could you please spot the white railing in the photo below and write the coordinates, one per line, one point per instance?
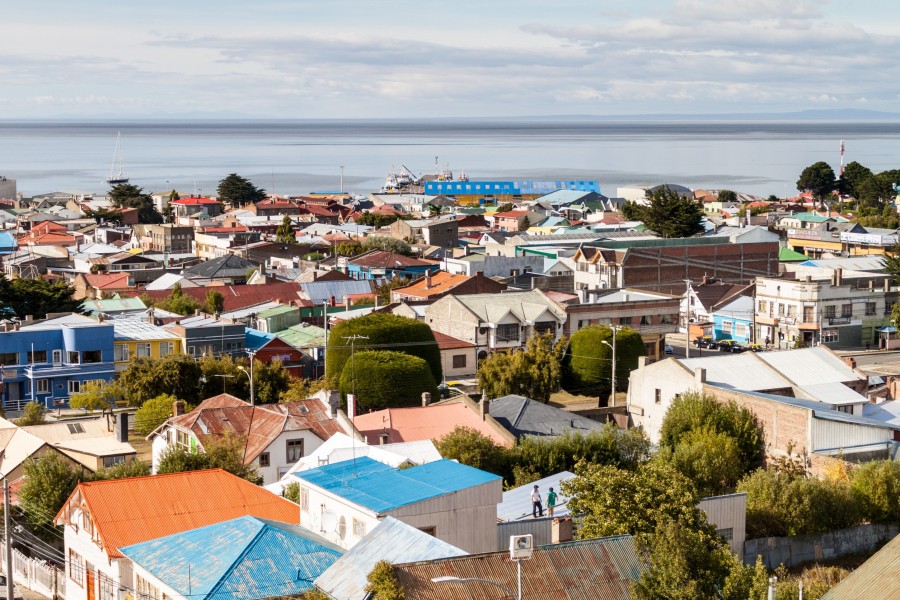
(35, 575)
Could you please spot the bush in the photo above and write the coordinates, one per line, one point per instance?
(33, 414)
(710, 459)
(470, 447)
(533, 373)
(135, 468)
(154, 413)
(587, 365)
(175, 374)
(384, 379)
(384, 331)
(876, 489)
(224, 452)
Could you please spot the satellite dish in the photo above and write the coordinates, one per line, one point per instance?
(329, 522)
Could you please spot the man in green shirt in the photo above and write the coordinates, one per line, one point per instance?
(551, 502)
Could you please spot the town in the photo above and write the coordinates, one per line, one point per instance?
(452, 387)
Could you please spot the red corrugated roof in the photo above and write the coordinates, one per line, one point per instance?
(106, 281)
(382, 258)
(445, 342)
(240, 296)
(137, 509)
(423, 423)
(192, 201)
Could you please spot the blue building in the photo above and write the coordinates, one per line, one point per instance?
(734, 320)
(491, 192)
(50, 360)
(376, 264)
(8, 242)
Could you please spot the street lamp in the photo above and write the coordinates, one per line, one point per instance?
(615, 330)
(449, 579)
(250, 375)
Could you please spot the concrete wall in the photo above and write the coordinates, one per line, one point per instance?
(796, 550)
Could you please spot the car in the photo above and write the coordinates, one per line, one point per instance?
(731, 346)
(17, 595)
(669, 350)
(703, 341)
(755, 347)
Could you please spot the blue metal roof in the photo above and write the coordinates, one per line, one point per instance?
(382, 488)
(8, 242)
(245, 557)
(255, 339)
(515, 188)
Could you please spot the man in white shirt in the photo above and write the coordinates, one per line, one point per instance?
(537, 509)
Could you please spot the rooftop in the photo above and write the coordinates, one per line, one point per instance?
(130, 329)
(424, 423)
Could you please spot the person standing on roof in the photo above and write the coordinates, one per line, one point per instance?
(551, 502)
(537, 509)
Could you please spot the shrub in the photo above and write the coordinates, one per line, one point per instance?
(473, 448)
(587, 365)
(33, 414)
(154, 413)
(384, 378)
(385, 332)
(876, 489)
(708, 458)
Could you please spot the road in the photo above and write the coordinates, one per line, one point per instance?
(676, 340)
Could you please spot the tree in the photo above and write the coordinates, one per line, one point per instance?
(891, 263)
(632, 211)
(613, 501)
(33, 414)
(285, 233)
(49, 480)
(526, 224)
(506, 207)
(388, 244)
(224, 452)
(876, 488)
(270, 381)
(126, 195)
(37, 297)
(727, 196)
(291, 492)
(697, 412)
(238, 191)
(375, 219)
(353, 248)
(301, 389)
(179, 302)
(587, 364)
(473, 448)
(435, 210)
(854, 173)
(670, 214)
(100, 215)
(175, 374)
(222, 374)
(383, 290)
(384, 331)
(386, 379)
(708, 458)
(215, 302)
(135, 468)
(154, 412)
(817, 178)
(874, 191)
(382, 583)
(97, 395)
(534, 373)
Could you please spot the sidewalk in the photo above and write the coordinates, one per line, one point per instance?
(30, 595)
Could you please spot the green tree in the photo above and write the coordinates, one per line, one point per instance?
(854, 174)
(126, 195)
(386, 379)
(179, 302)
(154, 413)
(670, 214)
(891, 264)
(613, 501)
(819, 179)
(135, 468)
(632, 211)
(876, 489)
(238, 191)
(215, 302)
(727, 196)
(97, 395)
(587, 364)
(506, 207)
(526, 224)
(698, 412)
(224, 452)
(353, 248)
(383, 290)
(389, 244)
(473, 448)
(175, 374)
(285, 233)
(270, 381)
(291, 492)
(301, 389)
(382, 583)
(435, 210)
(534, 373)
(37, 297)
(384, 331)
(108, 215)
(710, 459)
(222, 374)
(49, 480)
(375, 219)
(32, 414)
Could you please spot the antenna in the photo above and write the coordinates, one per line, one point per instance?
(351, 399)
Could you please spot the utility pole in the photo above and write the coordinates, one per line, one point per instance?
(615, 330)
(7, 539)
(687, 318)
(342, 179)
(351, 398)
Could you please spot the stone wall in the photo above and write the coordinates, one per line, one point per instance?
(796, 550)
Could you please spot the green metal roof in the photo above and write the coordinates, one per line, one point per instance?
(299, 336)
(788, 255)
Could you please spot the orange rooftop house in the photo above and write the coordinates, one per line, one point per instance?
(100, 517)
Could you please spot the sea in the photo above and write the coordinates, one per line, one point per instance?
(302, 156)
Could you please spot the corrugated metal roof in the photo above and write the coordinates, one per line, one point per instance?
(382, 488)
(524, 416)
(600, 569)
(391, 540)
(737, 371)
(255, 309)
(809, 366)
(255, 339)
(876, 579)
(126, 330)
(322, 291)
(516, 503)
(136, 509)
(244, 557)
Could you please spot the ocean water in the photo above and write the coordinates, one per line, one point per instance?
(296, 157)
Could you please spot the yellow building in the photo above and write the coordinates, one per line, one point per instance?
(136, 338)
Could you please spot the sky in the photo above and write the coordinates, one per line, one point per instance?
(346, 59)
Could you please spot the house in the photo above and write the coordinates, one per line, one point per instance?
(46, 361)
(113, 307)
(435, 232)
(239, 296)
(196, 207)
(202, 335)
(733, 320)
(101, 285)
(227, 270)
(102, 517)
(390, 540)
(493, 266)
(278, 435)
(268, 347)
(582, 570)
(93, 443)
(137, 338)
(515, 220)
(457, 356)
(165, 238)
(432, 287)
(376, 264)
(496, 321)
(18, 446)
(246, 557)
(453, 502)
(700, 301)
(526, 417)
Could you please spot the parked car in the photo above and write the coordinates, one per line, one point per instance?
(669, 349)
(706, 341)
(731, 346)
(755, 347)
(17, 595)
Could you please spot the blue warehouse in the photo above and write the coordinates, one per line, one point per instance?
(498, 192)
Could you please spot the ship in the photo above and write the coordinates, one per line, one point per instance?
(117, 173)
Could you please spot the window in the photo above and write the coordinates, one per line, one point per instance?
(142, 350)
(74, 386)
(792, 310)
(108, 587)
(763, 306)
(38, 356)
(545, 327)
(73, 358)
(166, 348)
(111, 461)
(665, 319)
(727, 534)
(432, 531)
(830, 335)
(359, 528)
(808, 314)
(76, 568)
(91, 356)
(145, 591)
(304, 498)
(845, 408)
(846, 310)
(9, 358)
(294, 450)
(264, 459)
(780, 309)
(740, 329)
(182, 439)
(75, 428)
(645, 320)
(191, 351)
(657, 396)
(459, 361)
(57, 357)
(42, 386)
(624, 320)
(829, 312)
(508, 332)
(726, 326)
(870, 308)
(120, 352)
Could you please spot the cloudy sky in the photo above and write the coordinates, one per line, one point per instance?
(456, 58)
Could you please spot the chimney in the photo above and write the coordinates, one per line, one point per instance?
(809, 279)
(122, 427)
(427, 280)
(484, 406)
(839, 276)
(100, 317)
(887, 285)
(426, 398)
(705, 280)
(178, 408)
(16, 326)
(871, 285)
(5, 326)
(700, 376)
(383, 437)
(331, 301)
(850, 362)
(346, 302)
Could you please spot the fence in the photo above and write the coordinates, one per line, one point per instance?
(799, 549)
(35, 575)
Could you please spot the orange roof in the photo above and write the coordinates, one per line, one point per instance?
(442, 282)
(102, 281)
(137, 509)
(423, 423)
(511, 214)
(445, 342)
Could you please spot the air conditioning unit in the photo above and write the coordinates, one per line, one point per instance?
(521, 547)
